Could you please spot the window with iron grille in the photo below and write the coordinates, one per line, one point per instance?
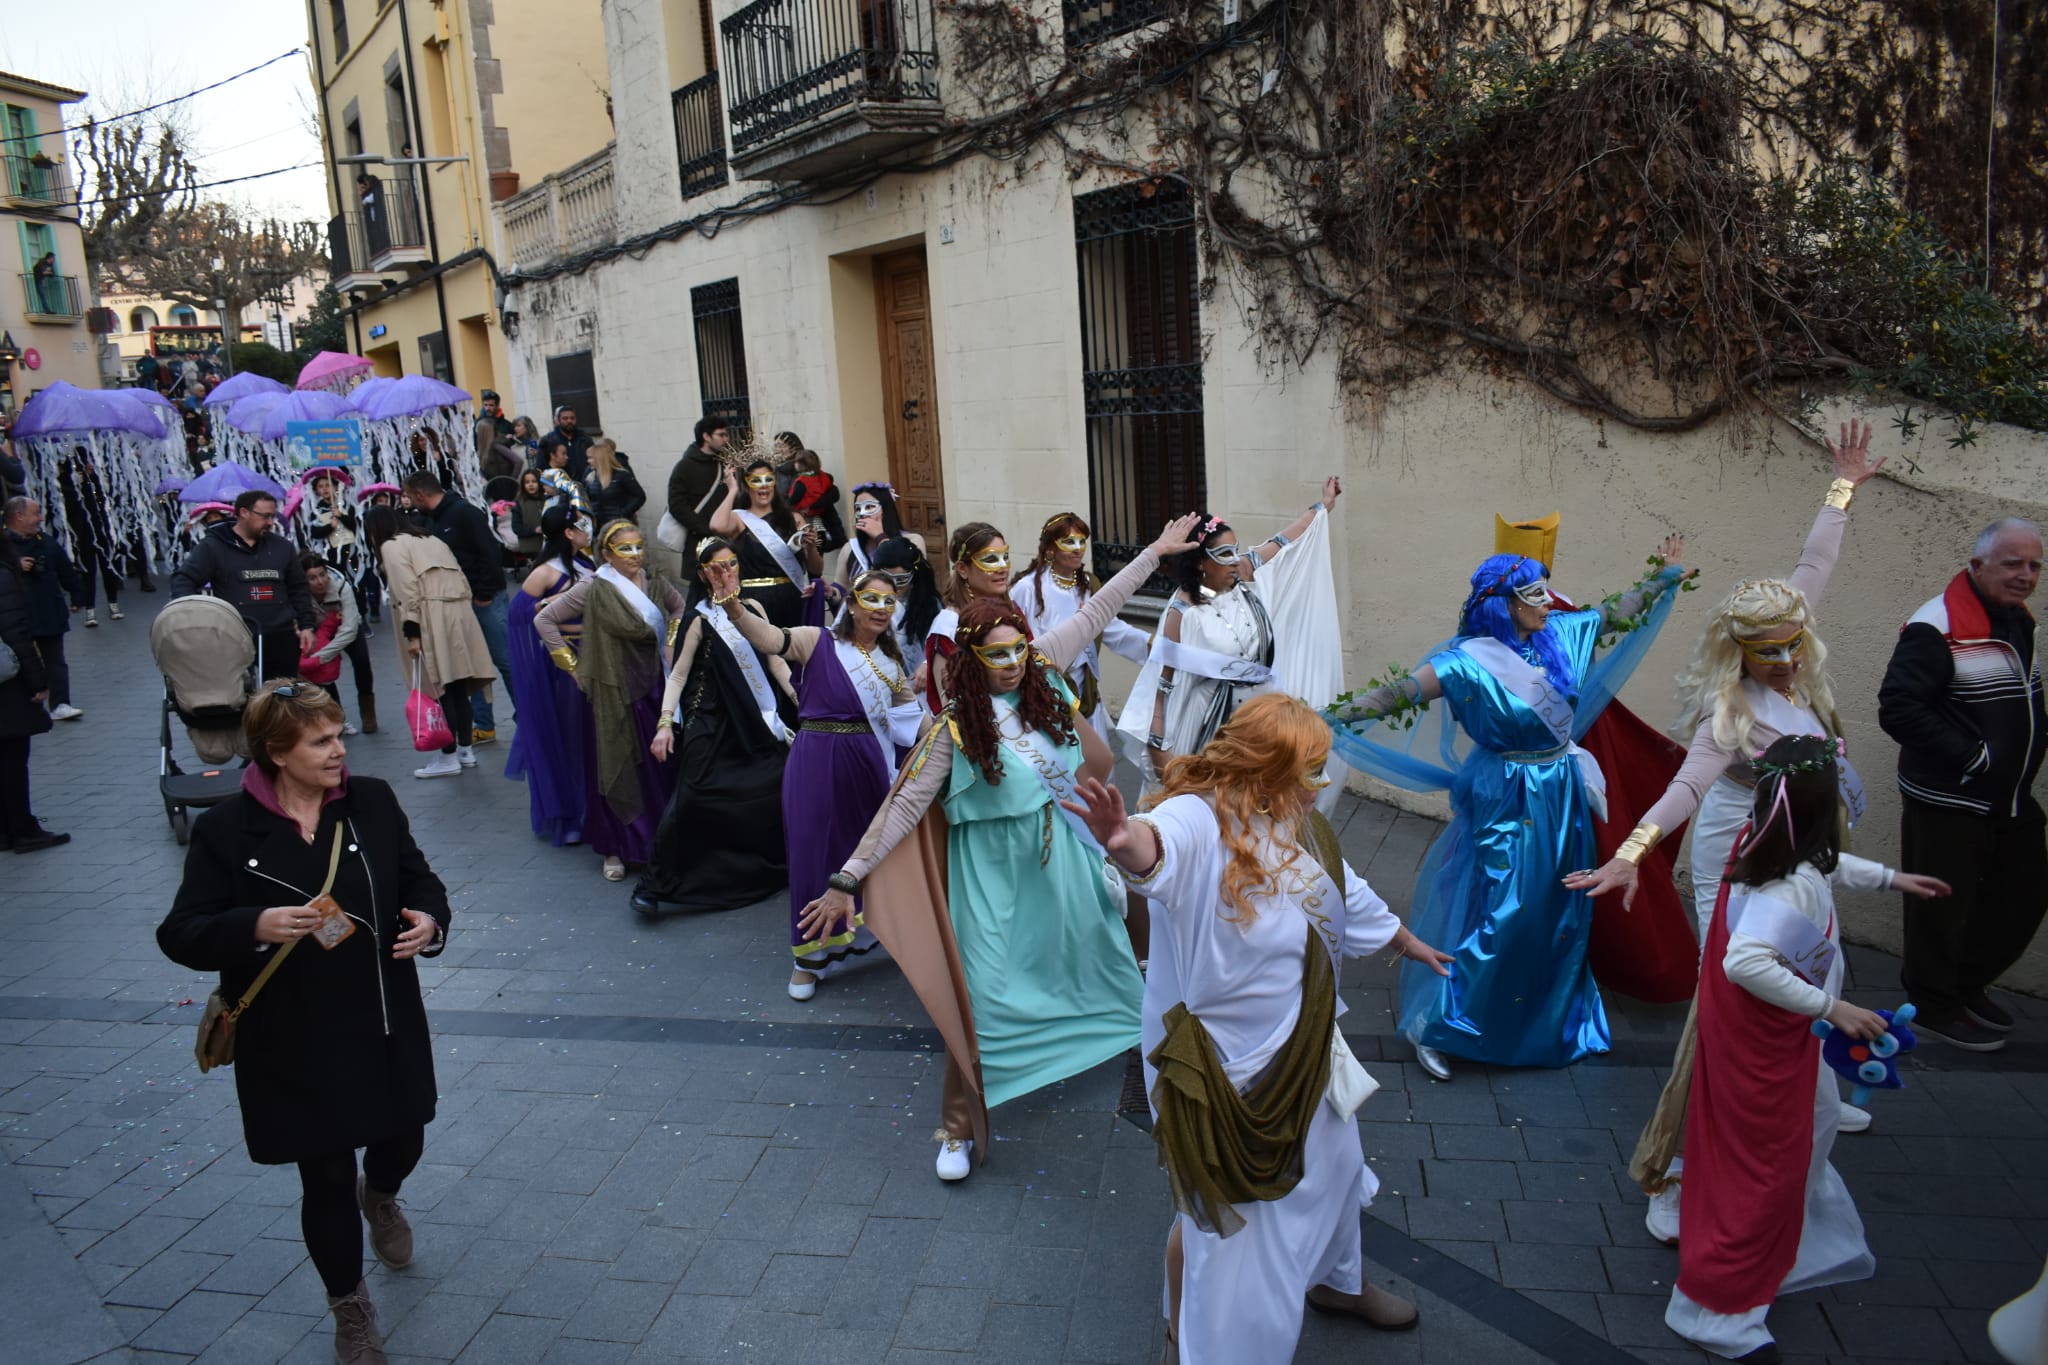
(721, 354)
(1090, 21)
(1141, 364)
(700, 134)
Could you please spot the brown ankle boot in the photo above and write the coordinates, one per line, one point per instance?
(368, 706)
(390, 1234)
(356, 1338)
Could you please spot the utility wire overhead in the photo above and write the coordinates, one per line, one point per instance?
(162, 104)
(204, 185)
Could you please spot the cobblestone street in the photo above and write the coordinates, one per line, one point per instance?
(646, 1152)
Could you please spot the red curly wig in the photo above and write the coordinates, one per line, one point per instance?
(1042, 708)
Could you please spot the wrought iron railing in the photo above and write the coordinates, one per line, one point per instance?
(36, 180)
(53, 296)
(790, 61)
(386, 219)
(1090, 21)
(340, 259)
(700, 135)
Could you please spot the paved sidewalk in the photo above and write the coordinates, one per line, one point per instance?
(646, 1152)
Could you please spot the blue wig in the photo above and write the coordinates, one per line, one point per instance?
(1486, 613)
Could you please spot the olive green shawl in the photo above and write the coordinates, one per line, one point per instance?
(620, 662)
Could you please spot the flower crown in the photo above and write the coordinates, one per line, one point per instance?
(873, 485)
(1824, 759)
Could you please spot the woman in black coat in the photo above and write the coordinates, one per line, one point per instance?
(21, 717)
(333, 1054)
(615, 495)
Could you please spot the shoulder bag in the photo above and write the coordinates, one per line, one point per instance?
(216, 1043)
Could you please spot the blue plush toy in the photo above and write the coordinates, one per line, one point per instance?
(1868, 1065)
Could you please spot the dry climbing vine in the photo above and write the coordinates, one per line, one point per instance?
(1657, 210)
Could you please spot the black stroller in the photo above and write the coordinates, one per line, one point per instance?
(204, 653)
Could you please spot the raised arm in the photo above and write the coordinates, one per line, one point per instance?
(1063, 643)
(1377, 703)
(1333, 488)
(1853, 467)
(1705, 761)
(796, 644)
(1624, 611)
(724, 521)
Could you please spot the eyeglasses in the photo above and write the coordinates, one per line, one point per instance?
(866, 509)
(1774, 651)
(992, 561)
(876, 601)
(760, 481)
(1072, 544)
(1003, 656)
(1229, 556)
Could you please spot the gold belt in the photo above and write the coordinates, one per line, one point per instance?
(837, 727)
(776, 582)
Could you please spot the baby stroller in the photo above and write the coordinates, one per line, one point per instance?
(205, 653)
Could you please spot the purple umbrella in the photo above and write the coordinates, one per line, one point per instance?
(303, 405)
(151, 404)
(407, 397)
(225, 481)
(170, 485)
(64, 409)
(332, 370)
(246, 414)
(244, 385)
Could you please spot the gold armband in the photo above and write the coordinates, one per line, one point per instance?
(564, 657)
(1839, 493)
(1640, 841)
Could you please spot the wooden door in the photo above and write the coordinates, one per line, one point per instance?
(910, 395)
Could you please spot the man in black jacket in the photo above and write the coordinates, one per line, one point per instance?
(1962, 696)
(577, 441)
(466, 530)
(691, 482)
(255, 571)
(21, 718)
(54, 595)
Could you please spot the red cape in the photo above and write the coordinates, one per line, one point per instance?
(1647, 952)
(1748, 1141)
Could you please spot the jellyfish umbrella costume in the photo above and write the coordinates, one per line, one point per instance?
(1503, 741)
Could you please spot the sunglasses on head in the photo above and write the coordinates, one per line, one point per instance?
(1072, 544)
(1774, 651)
(1003, 656)
(992, 561)
(876, 601)
(1229, 556)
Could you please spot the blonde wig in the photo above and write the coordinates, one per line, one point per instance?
(1711, 685)
(1254, 766)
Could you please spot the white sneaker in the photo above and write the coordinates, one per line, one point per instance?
(113, 612)
(952, 1164)
(1853, 1120)
(1661, 1218)
(802, 990)
(65, 712)
(90, 619)
(444, 765)
(465, 756)
(348, 728)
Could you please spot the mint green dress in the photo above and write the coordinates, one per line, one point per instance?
(1049, 969)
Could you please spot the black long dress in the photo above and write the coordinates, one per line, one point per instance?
(782, 600)
(719, 845)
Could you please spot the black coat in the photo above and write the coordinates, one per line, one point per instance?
(466, 530)
(622, 498)
(334, 1053)
(262, 581)
(52, 582)
(20, 713)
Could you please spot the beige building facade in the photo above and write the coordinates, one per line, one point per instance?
(44, 290)
(132, 315)
(1009, 341)
(429, 109)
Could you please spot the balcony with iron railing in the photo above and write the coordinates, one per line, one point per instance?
(568, 212)
(816, 86)
(348, 253)
(393, 227)
(36, 182)
(53, 298)
(700, 135)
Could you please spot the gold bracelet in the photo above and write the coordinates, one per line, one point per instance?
(1640, 841)
(665, 723)
(732, 596)
(564, 657)
(1839, 493)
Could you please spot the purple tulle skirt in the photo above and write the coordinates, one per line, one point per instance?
(548, 744)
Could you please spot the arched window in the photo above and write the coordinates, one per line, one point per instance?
(184, 315)
(141, 319)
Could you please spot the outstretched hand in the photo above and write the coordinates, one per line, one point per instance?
(1415, 950)
(1616, 874)
(724, 576)
(1921, 885)
(1176, 538)
(1101, 808)
(1333, 488)
(1852, 456)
